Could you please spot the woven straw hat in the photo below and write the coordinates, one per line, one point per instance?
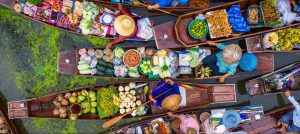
(232, 54)
(171, 102)
(124, 25)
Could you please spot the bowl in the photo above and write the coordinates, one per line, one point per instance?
(190, 28)
(133, 58)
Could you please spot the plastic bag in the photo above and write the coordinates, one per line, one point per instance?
(287, 15)
(144, 29)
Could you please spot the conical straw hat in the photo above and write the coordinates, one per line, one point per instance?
(232, 54)
(124, 25)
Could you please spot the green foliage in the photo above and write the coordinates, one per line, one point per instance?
(55, 126)
(96, 41)
(35, 2)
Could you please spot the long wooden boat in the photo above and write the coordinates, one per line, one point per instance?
(9, 123)
(268, 125)
(164, 33)
(68, 62)
(268, 84)
(10, 4)
(179, 8)
(42, 107)
(265, 125)
(142, 126)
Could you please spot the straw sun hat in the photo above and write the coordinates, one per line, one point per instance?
(124, 25)
(171, 102)
(232, 54)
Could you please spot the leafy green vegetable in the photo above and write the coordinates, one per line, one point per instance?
(35, 2)
(107, 101)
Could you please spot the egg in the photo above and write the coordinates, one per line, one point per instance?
(122, 111)
(121, 88)
(127, 88)
(128, 110)
(138, 103)
(132, 92)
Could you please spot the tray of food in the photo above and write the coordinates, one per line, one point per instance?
(270, 14)
(218, 24)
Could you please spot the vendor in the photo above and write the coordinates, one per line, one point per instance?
(296, 5)
(290, 122)
(225, 62)
(163, 3)
(124, 25)
(171, 100)
(186, 123)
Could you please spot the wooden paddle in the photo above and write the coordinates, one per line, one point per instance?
(136, 2)
(118, 118)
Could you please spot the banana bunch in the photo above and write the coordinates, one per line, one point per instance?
(204, 72)
(287, 39)
(273, 39)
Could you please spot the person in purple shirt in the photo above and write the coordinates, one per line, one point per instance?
(163, 3)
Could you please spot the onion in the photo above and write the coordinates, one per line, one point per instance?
(55, 112)
(67, 95)
(62, 110)
(60, 97)
(63, 115)
(2, 120)
(64, 102)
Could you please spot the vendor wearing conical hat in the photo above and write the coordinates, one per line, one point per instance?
(225, 62)
(124, 25)
(171, 100)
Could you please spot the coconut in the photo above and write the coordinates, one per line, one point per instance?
(138, 103)
(127, 88)
(132, 92)
(122, 111)
(63, 115)
(64, 102)
(56, 112)
(121, 88)
(62, 110)
(133, 98)
(128, 110)
(132, 85)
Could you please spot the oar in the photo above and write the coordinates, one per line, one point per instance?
(161, 10)
(118, 118)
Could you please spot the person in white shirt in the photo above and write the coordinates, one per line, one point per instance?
(290, 122)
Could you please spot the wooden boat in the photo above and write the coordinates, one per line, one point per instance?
(179, 8)
(266, 84)
(255, 45)
(10, 4)
(141, 126)
(8, 122)
(68, 61)
(268, 125)
(164, 33)
(42, 107)
(265, 125)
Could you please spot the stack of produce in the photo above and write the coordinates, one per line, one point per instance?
(218, 24)
(4, 128)
(128, 98)
(90, 11)
(107, 101)
(253, 16)
(61, 104)
(270, 39)
(161, 64)
(145, 66)
(270, 13)
(236, 20)
(198, 29)
(288, 38)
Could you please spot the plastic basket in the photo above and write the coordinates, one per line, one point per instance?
(194, 21)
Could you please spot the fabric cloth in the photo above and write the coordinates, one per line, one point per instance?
(296, 112)
(162, 87)
(286, 119)
(124, 11)
(223, 67)
(187, 121)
